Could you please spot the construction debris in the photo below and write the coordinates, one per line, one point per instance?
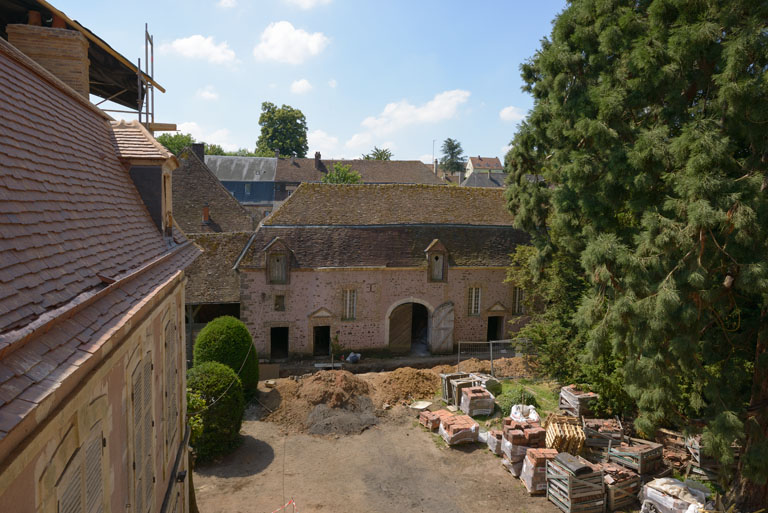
(564, 434)
(432, 419)
(447, 385)
(642, 456)
(702, 466)
(458, 429)
(621, 485)
(669, 495)
(601, 433)
(534, 471)
(576, 402)
(674, 452)
(575, 485)
(477, 401)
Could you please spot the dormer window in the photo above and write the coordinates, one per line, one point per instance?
(277, 267)
(436, 267)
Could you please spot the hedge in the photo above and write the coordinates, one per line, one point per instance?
(226, 340)
(222, 391)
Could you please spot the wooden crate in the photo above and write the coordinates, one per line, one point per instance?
(583, 493)
(576, 402)
(641, 456)
(63, 52)
(447, 387)
(621, 484)
(602, 432)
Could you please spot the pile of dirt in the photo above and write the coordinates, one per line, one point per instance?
(515, 367)
(328, 402)
(403, 384)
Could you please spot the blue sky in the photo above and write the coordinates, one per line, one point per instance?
(389, 73)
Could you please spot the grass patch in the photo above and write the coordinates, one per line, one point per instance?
(543, 391)
(439, 442)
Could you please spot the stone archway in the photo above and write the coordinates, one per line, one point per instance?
(408, 327)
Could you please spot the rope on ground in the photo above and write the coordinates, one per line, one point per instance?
(284, 507)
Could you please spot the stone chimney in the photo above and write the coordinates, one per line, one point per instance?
(199, 150)
(317, 161)
(206, 214)
(277, 154)
(61, 51)
(434, 167)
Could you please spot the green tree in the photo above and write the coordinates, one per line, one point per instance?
(378, 154)
(214, 149)
(283, 129)
(227, 340)
(342, 174)
(222, 415)
(650, 129)
(175, 143)
(453, 160)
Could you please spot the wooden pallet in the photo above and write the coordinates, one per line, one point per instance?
(564, 434)
(584, 493)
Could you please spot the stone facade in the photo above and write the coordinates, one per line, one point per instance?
(314, 297)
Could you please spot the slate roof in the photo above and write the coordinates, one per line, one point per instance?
(194, 185)
(326, 204)
(79, 252)
(242, 169)
(386, 246)
(485, 163)
(371, 171)
(211, 277)
(485, 179)
(133, 142)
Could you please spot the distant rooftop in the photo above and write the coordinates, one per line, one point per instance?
(371, 171)
(242, 169)
(492, 163)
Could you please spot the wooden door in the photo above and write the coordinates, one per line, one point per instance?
(400, 321)
(442, 329)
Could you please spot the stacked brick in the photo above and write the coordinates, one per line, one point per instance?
(432, 419)
(476, 401)
(458, 429)
(534, 471)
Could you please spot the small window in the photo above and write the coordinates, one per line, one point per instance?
(278, 268)
(247, 189)
(350, 304)
(279, 303)
(474, 301)
(517, 300)
(436, 267)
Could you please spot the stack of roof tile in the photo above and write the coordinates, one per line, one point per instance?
(534, 472)
(477, 401)
(458, 429)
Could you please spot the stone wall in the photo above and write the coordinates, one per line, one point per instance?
(314, 298)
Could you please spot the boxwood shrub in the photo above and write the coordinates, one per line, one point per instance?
(226, 340)
(222, 393)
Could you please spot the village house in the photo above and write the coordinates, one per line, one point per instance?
(487, 164)
(360, 263)
(251, 180)
(92, 381)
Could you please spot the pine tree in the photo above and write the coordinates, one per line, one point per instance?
(650, 131)
(453, 159)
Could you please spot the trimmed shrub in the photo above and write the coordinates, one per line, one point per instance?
(222, 393)
(226, 340)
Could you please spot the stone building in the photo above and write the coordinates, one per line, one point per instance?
(92, 382)
(405, 268)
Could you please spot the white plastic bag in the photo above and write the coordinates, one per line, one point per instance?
(524, 413)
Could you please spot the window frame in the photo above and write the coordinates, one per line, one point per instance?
(432, 266)
(348, 304)
(473, 301)
(279, 303)
(518, 298)
(270, 266)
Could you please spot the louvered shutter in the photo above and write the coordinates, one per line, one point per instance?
(147, 475)
(94, 493)
(171, 384)
(71, 485)
(138, 438)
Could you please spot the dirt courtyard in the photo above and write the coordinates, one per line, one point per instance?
(394, 465)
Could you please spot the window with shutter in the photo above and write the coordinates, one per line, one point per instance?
(80, 489)
(70, 486)
(278, 268)
(171, 384)
(148, 432)
(94, 492)
(137, 397)
(518, 297)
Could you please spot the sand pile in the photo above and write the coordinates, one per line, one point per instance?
(515, 367)
(328, 402)
(404, 383)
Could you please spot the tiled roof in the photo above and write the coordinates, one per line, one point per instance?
(325, 204)
(486, 162)
(387, 246)
(193, 186)
(211, 278)
(79, 251)
(133, 142)
(371, 171)
(485, 179)
(242, 169)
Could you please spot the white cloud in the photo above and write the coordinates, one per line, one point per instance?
(283, 43)
(307, 4)
(207, 93)
(332, 83)
(505, 150)
(359, 140)
(323, 142)
(301, 86)
(512, 113)
(426, 158)
(397, 115)
(387, 145)
(227, 4)
(220, 137)
(199, 47)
